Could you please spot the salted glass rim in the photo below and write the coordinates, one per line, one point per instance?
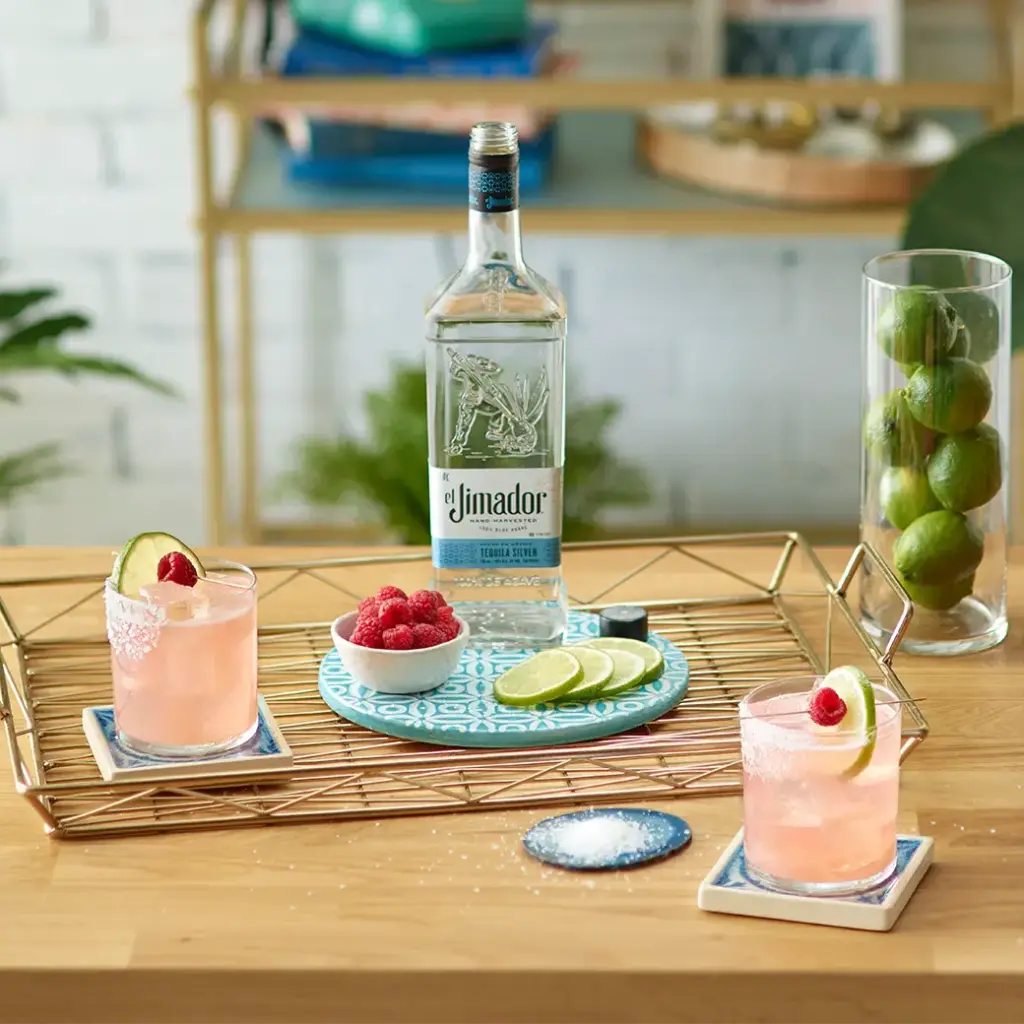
(868, 270)
(208, 563)
(767, 722)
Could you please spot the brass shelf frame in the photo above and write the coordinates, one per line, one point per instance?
(221, 82)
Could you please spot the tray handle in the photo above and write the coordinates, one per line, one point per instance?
(862, 553)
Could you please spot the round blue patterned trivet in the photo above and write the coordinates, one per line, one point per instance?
(606, 839)
(463, 712)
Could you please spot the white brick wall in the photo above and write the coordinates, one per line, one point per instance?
(59, 20)
(736, 360)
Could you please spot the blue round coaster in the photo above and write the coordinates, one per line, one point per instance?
(462, 712)
(606, 839)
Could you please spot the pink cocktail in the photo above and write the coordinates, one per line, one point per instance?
(184, 664)
(819, 806)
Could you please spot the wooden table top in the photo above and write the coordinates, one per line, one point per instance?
(445, 919)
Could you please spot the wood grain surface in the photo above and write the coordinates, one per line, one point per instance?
(445, 919)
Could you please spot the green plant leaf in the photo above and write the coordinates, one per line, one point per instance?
(47, 358)
(13, 304)
(387, 472)
(43, 332)
(28, 469)
(973, 204)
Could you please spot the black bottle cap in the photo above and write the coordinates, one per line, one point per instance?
(625, 620)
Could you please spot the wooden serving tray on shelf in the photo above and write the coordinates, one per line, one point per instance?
(775, 174)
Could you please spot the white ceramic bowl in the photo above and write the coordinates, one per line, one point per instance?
(413, 671)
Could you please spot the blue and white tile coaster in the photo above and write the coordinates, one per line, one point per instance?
(266, 750)
(728, 889)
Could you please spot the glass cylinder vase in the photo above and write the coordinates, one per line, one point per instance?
(936, 432)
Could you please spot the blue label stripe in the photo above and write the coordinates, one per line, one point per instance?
(535, 553)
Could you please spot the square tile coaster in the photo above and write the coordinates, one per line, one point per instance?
(729, 890)
(267, 749)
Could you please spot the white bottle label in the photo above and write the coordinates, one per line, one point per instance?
(496, 518)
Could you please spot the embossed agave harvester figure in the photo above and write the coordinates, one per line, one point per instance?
(513, 411)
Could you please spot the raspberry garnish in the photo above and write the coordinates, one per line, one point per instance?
(388, 592)
(176, 568)
(422, 606)
(826, 707)
(367, 633)
(394, 612)
(400, 638)
(427, 635)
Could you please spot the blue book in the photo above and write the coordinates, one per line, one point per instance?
(424, 173)
(316, 54)
(435, 171)
(330, 139)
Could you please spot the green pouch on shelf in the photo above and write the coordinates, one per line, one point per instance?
(416, 27)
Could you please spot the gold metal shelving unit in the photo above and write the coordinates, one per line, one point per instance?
(616, 196)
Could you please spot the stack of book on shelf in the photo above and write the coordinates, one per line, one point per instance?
(421, 145)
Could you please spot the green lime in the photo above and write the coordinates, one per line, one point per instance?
(540, 678)
(598, 669)
(860, 719)
(136, 565)
(938, 548)
(941, 596)
(980, 316)
(893, 435)
(651, 656)
(630, 671)
(909, 369)
(918, 326)
(965, 470)
(961, 345)
(905, 495)
(950, 397)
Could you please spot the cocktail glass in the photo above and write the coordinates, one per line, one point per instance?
(184, 664)
(817, 820)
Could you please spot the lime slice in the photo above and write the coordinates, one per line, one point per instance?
(654, 663)
(598, 670)
(545, 676)
(858, 695)
(630, 671)
(136, 565)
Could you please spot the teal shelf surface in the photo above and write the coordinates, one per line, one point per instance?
(597, 184)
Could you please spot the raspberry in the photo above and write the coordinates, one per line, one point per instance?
(426, 635)
(826, 707)
(367, 633)
(389, 592)
(400, 638)
(177, 568)
(438, 599)
(449, 628)
(445, 613)
(368, 606)
(422, 606)
(394, 612)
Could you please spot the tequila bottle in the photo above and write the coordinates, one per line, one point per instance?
(496, 408)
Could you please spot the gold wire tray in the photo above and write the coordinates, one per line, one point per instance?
(755, 607)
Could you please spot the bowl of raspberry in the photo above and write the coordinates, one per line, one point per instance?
(401, 643)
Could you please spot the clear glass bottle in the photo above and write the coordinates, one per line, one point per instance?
(936, 432)
(496, 408)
